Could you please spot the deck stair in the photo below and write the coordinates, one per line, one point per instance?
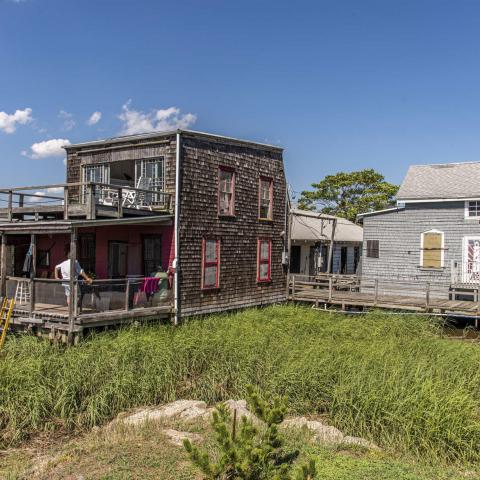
(5, 315)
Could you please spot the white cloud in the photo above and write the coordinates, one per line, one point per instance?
(68, 121)
(94, 118)
(47, 148)
(135, 121)
(9, 122)
(50, 192)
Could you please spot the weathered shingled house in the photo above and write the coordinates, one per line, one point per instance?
(432, 236)
(207, 211)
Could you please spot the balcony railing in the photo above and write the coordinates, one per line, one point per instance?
(80, 199)
(466, 272)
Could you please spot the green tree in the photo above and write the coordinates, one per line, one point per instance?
(249, 452)
(347, 194)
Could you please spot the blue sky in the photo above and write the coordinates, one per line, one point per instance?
(342, 85)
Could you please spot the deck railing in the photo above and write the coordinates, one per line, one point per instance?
(394, 290)
(48, 297)
(466, 272)
(67, 197)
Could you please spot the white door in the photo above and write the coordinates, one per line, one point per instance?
(471, 260)
(98, 173)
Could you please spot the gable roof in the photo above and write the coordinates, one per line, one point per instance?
(306, 226)
(441, 181)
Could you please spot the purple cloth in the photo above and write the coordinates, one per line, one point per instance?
(149, 286)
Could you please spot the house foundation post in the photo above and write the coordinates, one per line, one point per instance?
(72, 284)
(3, 267)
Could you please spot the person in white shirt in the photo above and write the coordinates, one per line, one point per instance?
(62, 271)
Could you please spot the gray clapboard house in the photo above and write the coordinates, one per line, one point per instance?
(432, 236)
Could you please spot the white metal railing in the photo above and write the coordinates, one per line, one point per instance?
(466, 272)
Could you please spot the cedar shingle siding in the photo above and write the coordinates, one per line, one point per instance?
(238, 235)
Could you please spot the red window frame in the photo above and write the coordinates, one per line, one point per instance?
(263, 261)
(221, 170)
(270, 210)
(206, 264)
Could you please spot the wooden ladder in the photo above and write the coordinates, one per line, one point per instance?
(22, 292)
(5, 315)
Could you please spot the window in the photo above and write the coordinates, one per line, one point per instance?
(86, 252)
(43, 258)
(150, 175)
(373, 248)
(264, 260)
(211, 263)
(472, 208)
(226, 192)
(265, 211)
(96, 173)
(431, 252)
(152, 254)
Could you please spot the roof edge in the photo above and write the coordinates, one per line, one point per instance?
(161, 134)
(380, 212)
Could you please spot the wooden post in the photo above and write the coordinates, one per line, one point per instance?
(127, 295)
(120, 203)
(330, 289)
(427, 295)
(91, 206)
(478, 300)
(376, 292)
(3, 267)
(330, 250)
(66, 201)
(73, 259)
(21, 199)
(10, 206)
(33, 271)
(293, 287)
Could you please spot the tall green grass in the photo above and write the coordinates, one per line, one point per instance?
(393, 380)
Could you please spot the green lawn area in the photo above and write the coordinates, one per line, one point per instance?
(393, 380)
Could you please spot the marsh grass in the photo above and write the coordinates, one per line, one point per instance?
(390, 379)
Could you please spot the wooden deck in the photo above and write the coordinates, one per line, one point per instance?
(50, 316)
(353, 295)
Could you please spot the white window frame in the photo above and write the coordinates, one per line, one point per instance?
(442, 257)
(467, 209)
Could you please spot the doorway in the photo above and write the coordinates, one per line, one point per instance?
(295, 255)
(117, 259)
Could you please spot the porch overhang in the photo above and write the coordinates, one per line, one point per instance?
(66, 226)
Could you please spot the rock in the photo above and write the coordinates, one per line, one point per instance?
(361, 442)
(186, 409)
(321, 433)
(242, 411)
(176, 438)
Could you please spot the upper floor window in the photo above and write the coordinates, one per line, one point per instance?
(265, 207)
(432, 249)
(226, 191)
(210, 263)
(373, 248)
(264, 260)
(472, 208)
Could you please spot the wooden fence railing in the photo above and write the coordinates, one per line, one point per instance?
(87, 194)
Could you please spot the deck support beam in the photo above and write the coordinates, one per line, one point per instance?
(72, 281)
(3, 266)
(33, 272)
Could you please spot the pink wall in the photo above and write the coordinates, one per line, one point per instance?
(131, 234)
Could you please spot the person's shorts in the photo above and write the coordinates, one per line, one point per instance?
(67, 289)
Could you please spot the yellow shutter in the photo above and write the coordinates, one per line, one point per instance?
(432, 250)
